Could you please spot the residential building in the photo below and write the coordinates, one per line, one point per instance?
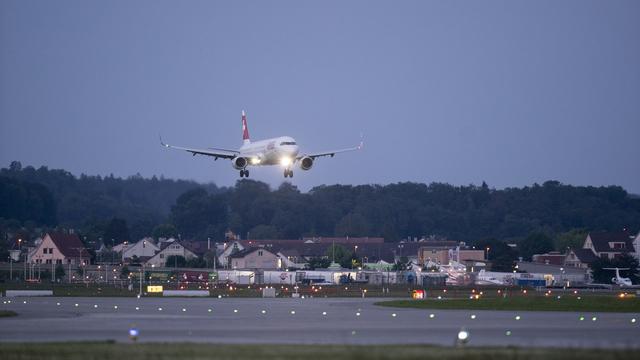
(580, 258)
(173, 248)
(255, 258)
(60, 248)
(609, 245)
(145, 248)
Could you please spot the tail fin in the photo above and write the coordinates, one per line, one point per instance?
(245, 129)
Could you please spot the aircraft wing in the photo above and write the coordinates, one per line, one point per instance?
(216, 153)
(331, 153)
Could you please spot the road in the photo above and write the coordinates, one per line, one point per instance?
(303, 321)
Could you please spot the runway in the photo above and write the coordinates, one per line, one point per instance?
(303, 321)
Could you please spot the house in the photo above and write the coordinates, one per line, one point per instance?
(580, 258)
(143, 248)
(227, 250)
(291, 258)
(255, 258)
(173, 248)
(60, 248)
(609, 245)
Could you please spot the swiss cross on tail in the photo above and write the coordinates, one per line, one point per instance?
(245, 129)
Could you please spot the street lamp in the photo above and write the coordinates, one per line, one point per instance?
(25, 260)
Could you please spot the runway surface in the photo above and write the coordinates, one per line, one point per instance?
(303, 321)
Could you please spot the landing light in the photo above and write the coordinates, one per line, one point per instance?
(285, 161)
(255, 161)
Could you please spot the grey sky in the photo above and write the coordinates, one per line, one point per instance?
(509, 92)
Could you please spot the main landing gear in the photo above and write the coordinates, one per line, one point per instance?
(244, 173)
(288, 173)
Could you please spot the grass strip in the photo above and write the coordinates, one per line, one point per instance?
(99, 351)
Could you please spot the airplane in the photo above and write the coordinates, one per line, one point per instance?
(619, 280)
(283, 151)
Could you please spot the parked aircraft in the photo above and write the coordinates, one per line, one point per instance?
(283, 151)
(619, 280)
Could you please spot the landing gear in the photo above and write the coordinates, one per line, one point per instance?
(288, 173)
(244, 173)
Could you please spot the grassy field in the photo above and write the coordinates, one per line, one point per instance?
(98, 351)
(523, 303)
(7, 313)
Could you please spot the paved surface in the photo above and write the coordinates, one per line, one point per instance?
(303, 321)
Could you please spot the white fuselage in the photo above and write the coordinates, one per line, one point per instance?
(276, 151)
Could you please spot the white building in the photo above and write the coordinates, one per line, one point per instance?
(144, 248)
(227, 250)
(172, 248)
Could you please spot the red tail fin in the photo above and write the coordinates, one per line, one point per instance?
(245, 129)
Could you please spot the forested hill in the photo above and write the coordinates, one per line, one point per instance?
(394, 211)
(85, 199)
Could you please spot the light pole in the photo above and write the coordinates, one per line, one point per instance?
(24, 277)
(488, 248)
(355, 252)
(141, 274)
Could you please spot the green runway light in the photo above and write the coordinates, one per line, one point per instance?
(581, 318)
(508, 333)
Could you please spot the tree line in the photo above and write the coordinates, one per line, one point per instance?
(128, 209)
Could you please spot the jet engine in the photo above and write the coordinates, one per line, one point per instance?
(239, 162)
(306, 163)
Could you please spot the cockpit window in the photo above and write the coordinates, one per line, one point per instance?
(287, 143)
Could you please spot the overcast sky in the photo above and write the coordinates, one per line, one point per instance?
(509, 92)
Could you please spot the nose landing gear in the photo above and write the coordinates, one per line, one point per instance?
(288, 173)
(244, 173)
